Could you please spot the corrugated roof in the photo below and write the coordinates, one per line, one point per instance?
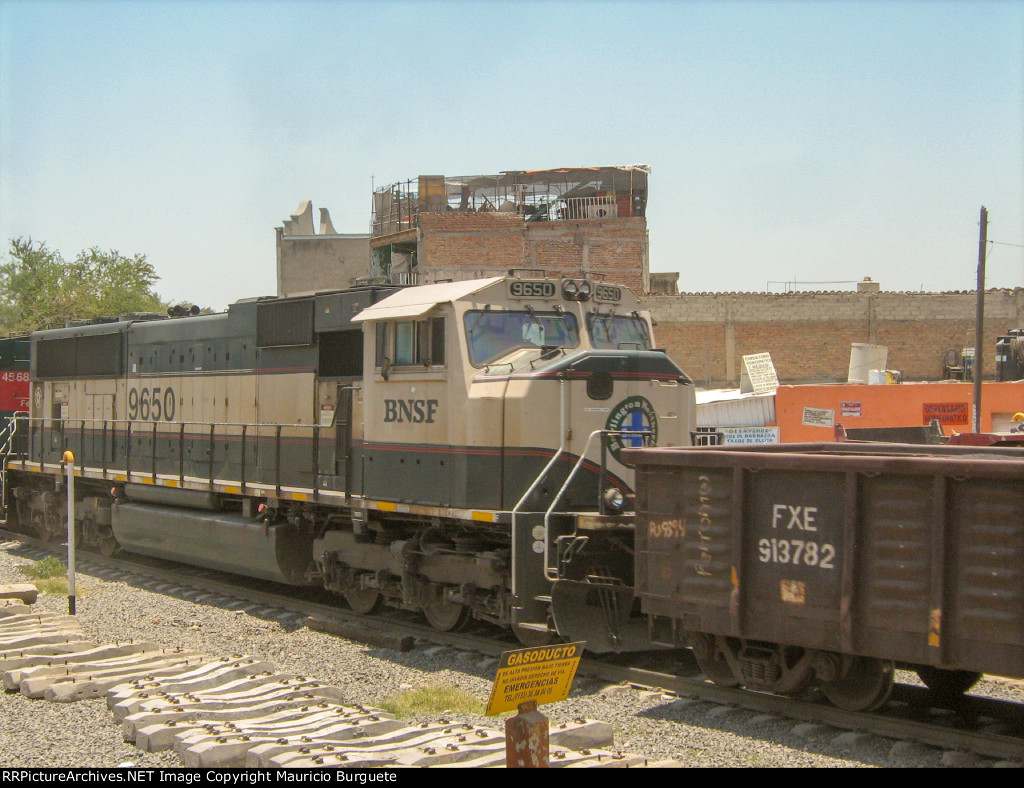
(730, 408)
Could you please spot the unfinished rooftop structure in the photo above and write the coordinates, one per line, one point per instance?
(585, 221)
(308, 260)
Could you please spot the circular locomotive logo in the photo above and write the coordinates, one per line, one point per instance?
(632, 421)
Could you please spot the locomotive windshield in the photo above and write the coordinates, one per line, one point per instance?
(491, 335)
(618, 331)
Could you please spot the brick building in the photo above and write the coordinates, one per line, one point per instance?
(591, 222)
(567, 222)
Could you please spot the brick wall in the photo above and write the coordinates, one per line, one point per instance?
(809, 335)
(458, 245)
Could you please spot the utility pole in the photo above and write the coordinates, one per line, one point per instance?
(979, 319)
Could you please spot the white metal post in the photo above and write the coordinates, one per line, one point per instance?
(69, 462)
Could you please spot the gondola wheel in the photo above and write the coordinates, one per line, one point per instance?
(711, 663)
(364, 600)
(947, 684)
(866, 686)
(447, 616)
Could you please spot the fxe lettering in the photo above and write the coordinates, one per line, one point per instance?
(799, 517)
(413, 411)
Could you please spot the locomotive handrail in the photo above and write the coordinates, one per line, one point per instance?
(8, 434)
(10, 430)
(540, 477)
(107, 430)
(565, 486)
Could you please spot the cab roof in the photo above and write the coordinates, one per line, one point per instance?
(417, 301)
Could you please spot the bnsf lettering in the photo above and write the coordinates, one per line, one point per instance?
(413, 411)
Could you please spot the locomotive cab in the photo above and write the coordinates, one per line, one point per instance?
(510, 400)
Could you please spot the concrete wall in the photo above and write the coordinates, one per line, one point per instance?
(809, 335)
(320, 262)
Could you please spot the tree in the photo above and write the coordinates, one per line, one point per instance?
(38, 287)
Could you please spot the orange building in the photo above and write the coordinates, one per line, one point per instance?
(810, 413)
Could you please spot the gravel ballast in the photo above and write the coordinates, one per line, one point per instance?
(38, 733)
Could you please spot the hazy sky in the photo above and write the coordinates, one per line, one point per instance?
(813, 143)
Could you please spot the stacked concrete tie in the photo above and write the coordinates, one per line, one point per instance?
(280, 720)
(240, 712)
(45, 655)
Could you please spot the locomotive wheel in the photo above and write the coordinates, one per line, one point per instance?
(447, 616)
(56, 528)
(947, 684)
(109, 546)
(532, 638)
(364, 600)
(104, 534)
(865, 687)
(39, 526)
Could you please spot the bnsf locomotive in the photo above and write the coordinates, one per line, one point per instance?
(452, 448)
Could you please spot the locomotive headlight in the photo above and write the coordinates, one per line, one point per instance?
(570, 289)
(584, 291)
(614, 500)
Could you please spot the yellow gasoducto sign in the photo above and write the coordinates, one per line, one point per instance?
(543, 674)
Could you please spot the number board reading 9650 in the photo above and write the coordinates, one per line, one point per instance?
(607, 293)
(532, 288)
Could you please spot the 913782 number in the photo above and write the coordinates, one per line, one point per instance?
(796, 552)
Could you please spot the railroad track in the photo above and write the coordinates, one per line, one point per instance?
(984, 726)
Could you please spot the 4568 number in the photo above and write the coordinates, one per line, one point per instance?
(154, 404)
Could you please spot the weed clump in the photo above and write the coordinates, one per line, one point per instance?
(50, 574)
(429, 700)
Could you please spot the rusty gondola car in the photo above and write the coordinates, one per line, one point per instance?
(834, 564)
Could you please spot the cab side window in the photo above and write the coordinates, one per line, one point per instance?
(412, 343)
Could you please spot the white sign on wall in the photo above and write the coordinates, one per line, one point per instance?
(758, 374)
(736, 436)
(819, 417)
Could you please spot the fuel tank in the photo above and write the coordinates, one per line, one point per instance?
(215, 540)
